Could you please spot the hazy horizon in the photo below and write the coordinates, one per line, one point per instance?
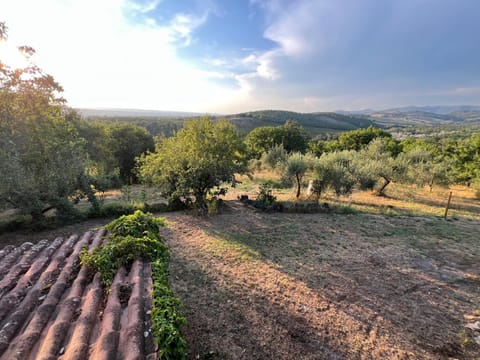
(211, 56)
(196, 113)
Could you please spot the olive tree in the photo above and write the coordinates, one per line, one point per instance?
(274, 157)
(335, 170)
(382, 164)
(295, 167)
(423, 168)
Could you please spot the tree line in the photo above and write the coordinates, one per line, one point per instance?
(372, 159)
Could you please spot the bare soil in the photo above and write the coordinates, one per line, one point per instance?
(326, 286)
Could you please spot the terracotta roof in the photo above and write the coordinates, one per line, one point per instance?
(51, 307)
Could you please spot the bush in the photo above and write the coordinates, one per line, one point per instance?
(137, 225)
(345, 210)
(121, 251)
(111, 210)
(156, 207)
(336, 171)
(305, 207)
(166, 317)
(265, 199)
(66, 213)
(19, 222)
(274, 157)
(131, 237)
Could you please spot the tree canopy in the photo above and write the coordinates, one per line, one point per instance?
(198, 159)
(41, 155)
(291, 136)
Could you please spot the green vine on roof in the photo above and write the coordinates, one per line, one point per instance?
(134, 237)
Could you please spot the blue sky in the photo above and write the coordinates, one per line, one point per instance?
(240, 55)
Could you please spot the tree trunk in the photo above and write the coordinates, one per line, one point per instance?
(382, 189)
(298, 185)
(92, 199)
(200, 199)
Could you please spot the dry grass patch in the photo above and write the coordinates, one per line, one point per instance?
(326, 286)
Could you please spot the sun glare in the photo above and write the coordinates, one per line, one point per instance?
(12, 57)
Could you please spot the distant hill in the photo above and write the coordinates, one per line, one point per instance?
(155, 121)
(314, 123)
(438, 109)
(318, 123)
(167, 122)
(468, 116)
(422, 115)
(125, 113)
(395, 118)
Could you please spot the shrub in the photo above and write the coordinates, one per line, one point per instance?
(111, 210)
(137, 225)
(166, 317)
(274, 157)
(19, 222)
(305, 207)
(345, 209)
(121, 251)
(131, 237)
(265, 199)
(335, 170)
(156, 207)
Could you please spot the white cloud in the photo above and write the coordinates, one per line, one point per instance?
(183, 25)
(144, 8)
(102, 59)
(291, 26)
(326, 54)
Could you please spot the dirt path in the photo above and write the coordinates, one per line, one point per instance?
(325, 286)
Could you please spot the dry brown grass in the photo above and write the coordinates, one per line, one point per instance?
(411, 200)
(325, 286)
(400, 199)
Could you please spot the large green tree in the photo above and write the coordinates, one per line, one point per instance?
(291, 136)
(358, 139)
(423, 168)
(127, 142)
(112, 149)
(466, 159)
(198, 159)
(41, 154)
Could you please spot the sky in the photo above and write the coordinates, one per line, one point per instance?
(230, 56)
